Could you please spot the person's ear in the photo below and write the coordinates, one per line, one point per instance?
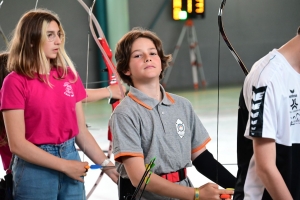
(127, 73)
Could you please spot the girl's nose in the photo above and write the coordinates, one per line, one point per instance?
(57, 40)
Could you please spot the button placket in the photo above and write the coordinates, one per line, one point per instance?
(163, 117)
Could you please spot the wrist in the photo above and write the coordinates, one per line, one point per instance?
(110, 93)
(105, 162)
(197, 195)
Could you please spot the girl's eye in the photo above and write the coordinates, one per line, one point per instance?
(153, 53)
(50, 35)
(60, 35)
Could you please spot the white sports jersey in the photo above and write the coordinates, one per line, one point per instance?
(272, 96)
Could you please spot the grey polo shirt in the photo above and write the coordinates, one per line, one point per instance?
(169, 130)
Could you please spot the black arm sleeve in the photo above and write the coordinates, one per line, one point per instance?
(212, 169)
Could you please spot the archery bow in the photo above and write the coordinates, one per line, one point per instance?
(233, 52)
(242, 108)
(221, 29)
(112, 74)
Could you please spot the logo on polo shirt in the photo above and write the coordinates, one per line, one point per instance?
(180, 128)
(69, 90)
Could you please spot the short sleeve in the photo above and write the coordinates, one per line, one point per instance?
(263, 115)
(200, 135)
(12, 93)
(80, 90)
(126, 137)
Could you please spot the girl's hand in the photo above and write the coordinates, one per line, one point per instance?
(75, 169)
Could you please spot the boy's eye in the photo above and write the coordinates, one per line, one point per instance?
(137, 56)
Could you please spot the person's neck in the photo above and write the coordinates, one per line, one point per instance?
(152, 90)
(291, 52)
(45, 71)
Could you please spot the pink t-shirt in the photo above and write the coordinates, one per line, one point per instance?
(49, 113)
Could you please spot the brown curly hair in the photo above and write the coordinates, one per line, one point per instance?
(123, 52)
(3, 74)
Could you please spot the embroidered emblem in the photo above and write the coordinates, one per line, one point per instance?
(69, 90)
(180, 128)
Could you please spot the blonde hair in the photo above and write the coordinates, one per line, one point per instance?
(26, 55)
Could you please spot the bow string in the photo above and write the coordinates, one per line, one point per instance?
(242, 107)
(1, 31)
